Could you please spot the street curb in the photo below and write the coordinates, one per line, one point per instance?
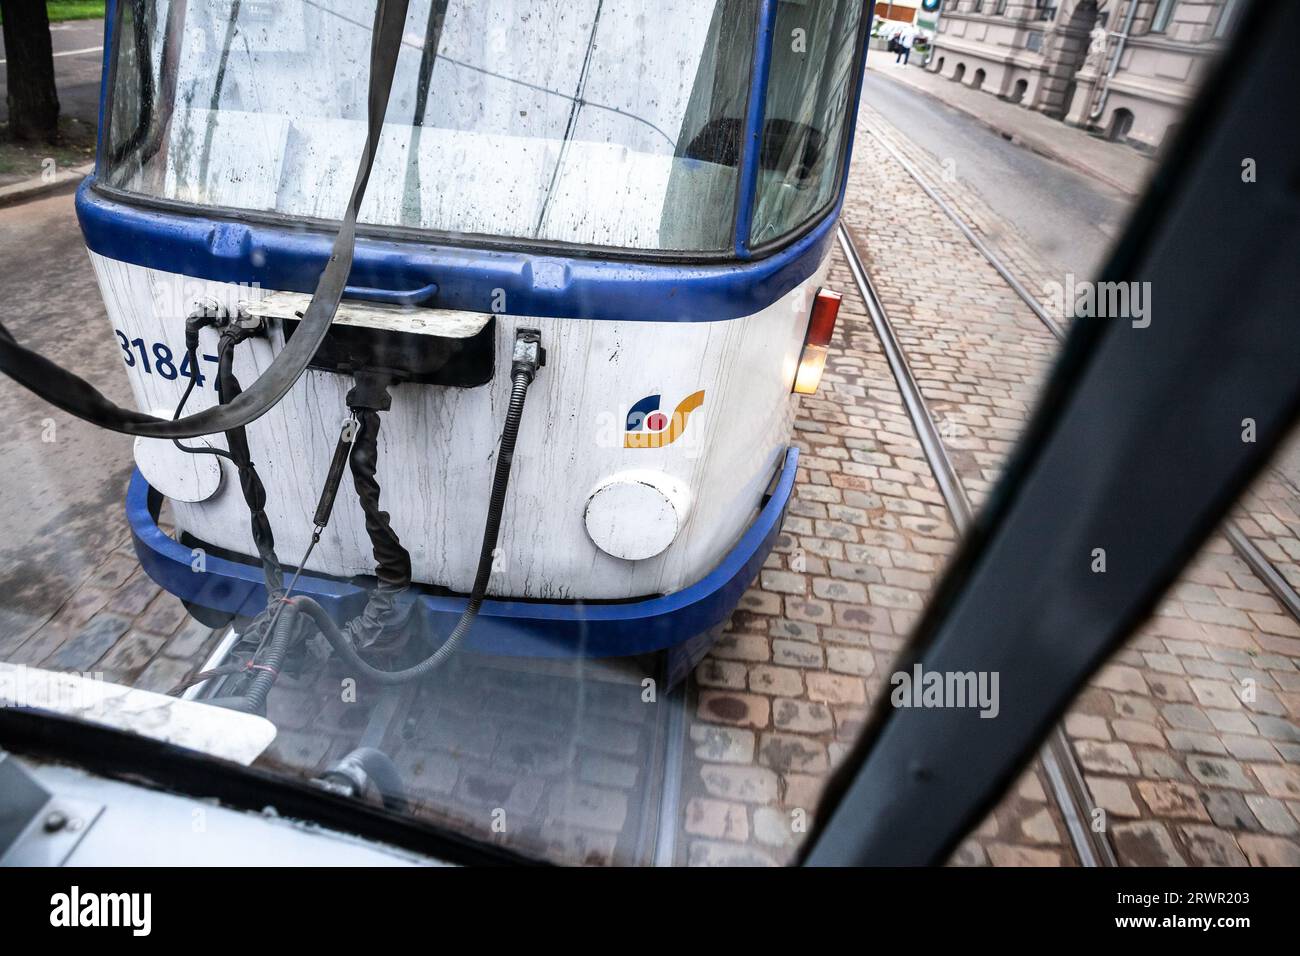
(18, 193)
(1033, 145)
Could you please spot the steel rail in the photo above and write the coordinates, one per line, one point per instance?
(1063, 772)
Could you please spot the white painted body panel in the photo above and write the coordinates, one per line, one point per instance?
(437, 446)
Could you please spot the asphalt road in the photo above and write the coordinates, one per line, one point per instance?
(1070, 218)
(78, 55)
(61, 500)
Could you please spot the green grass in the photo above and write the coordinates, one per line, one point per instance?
(73, 9)
(60, 10)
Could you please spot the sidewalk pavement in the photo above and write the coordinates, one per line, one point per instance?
(1119, 166)
(65, 179)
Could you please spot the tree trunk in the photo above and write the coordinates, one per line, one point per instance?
(33, 102)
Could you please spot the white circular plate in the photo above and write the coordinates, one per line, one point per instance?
(178, 475)
(635, 515)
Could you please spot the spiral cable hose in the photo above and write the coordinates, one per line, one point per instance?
(520, 380)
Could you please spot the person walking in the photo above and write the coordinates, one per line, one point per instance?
(904, 49)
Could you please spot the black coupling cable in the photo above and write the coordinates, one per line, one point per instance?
(388, 606)
(250, 482)
(368, 397)
(527, 358)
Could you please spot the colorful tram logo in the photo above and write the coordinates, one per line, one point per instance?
(647, 427)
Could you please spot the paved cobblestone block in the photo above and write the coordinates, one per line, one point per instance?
(717, 819)
(1249, 748)
(1282, 781)
(807, 717)
(1127, 680)
(580, 847)
(585, 806)
(835, 688)
(797, 654)
(782, 681)
(788, 753)
(831, 589)
(1145, 843)
(163, 616)
(1087, 727)
(1005, 854)
(188, 643)
(712, 672)
(1269, 850)
(722, 744)
(1273, 815)
(1171, 800)
(427, 773)
(848, 660)
(162, 675)
(741, 647)
(39, 646)
(709, 853)
(1136, 732)
(114, 572)
(84, 604)
(1187, 717)
(130, 655)
(1216, 771)
(740, 710)
(603, 771)
(784, 582)
(774, 828)
(1107, 758)
(1113, 796)
(1207, 846)
(90, 643)
(132, 598)
(748, 784)
(1188, 741)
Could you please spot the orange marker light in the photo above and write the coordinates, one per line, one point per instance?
(821, 326)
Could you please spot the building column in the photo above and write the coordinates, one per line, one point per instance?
(1085, 87)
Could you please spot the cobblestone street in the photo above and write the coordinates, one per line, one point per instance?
(1188, 765)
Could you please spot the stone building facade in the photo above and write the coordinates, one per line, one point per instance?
(1125, 68)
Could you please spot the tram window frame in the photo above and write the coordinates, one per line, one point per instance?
(848, 129)
(740, 251)
(725, 253)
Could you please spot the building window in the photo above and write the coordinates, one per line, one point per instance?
(1227, 18)
(1001, 7)
(1046, 9)
(1164, 13)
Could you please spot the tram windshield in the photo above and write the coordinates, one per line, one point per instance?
(614, 123)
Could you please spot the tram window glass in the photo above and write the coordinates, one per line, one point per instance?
(808, 94)
(613, 123)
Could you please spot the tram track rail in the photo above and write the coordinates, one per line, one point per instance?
(1064, 775)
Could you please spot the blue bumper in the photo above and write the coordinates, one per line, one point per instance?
(514, 628)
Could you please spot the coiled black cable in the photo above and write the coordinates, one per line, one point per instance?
(365, 401)
(250, 483)
(521, 378)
